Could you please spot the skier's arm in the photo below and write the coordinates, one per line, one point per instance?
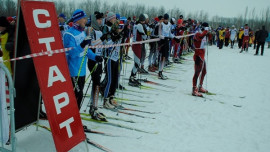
(91, 55)
(200, 36)
(141, 31)
(171, 35)
(69, 41)
(160, 32)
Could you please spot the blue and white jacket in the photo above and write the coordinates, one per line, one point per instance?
(73, 38)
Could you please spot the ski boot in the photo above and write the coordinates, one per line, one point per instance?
(202, 90)
(195, 92)
(143, 70)
(95, 114)
(151, 68)
(161, 76)
(241, 50)
(133, 82)
(114, 103)
(107, 104)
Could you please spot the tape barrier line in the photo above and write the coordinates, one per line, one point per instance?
(49, 53)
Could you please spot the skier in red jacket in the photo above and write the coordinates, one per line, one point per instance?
(245, 39)
(200, 65)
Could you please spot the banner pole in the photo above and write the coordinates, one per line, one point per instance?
(39, 103)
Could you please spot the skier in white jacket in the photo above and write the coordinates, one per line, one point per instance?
(233, 32)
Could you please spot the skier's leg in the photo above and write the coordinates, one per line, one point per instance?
(262, 49)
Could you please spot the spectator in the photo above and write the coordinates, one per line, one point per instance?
(262, 35)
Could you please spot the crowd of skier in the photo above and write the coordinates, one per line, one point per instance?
(101, 29)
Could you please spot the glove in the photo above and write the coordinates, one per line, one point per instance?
(205, 24)
(85, 42)
(103, 37)
(177, 40)
(98, 59)
(61, 28)
(115, 37)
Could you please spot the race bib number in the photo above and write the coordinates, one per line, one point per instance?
(99, 51)
(245, 32)
(115, 54)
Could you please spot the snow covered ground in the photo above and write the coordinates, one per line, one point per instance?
(234, 120)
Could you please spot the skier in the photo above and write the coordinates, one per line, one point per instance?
(143, 53)
(177, 46)
(240, 37)
(165, 35)
(110, 82)
(96, 68)
(227, 36)
(62, 24)
(200, 65)
(256, 37)
(138, 35)
(76, 37)
(245, 38)
(233, 33)
(221, 37)
(127, 35)
(153, 46)
(262, 35)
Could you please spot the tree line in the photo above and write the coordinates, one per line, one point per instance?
(254, 17)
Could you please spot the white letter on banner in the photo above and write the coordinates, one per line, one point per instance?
(52, 79)
(47, 41)
(58, 105)
(67, 125)
(37, 12)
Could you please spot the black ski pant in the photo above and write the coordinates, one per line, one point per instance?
(111, 79)
(262, 47)
(226, 42)
(78, 85)
(240, 42)
(220, 44)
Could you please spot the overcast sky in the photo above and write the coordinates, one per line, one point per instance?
(225, 8)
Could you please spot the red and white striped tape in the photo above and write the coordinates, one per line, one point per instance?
(97, 46)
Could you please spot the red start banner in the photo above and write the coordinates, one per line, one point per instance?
(53, 74)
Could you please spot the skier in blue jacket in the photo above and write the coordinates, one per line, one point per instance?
(76, 37)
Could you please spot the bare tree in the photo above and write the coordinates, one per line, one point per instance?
(10, 7)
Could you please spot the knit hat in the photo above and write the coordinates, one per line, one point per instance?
(99, 15)
(180, 21)
(117, 16)
(62, 15)
(78, 14)
(110, 16)
(160, 17)
(141, 17)
(10, 19)
(157, 19)
(181, 16)
(166, 16)
(4, 21)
